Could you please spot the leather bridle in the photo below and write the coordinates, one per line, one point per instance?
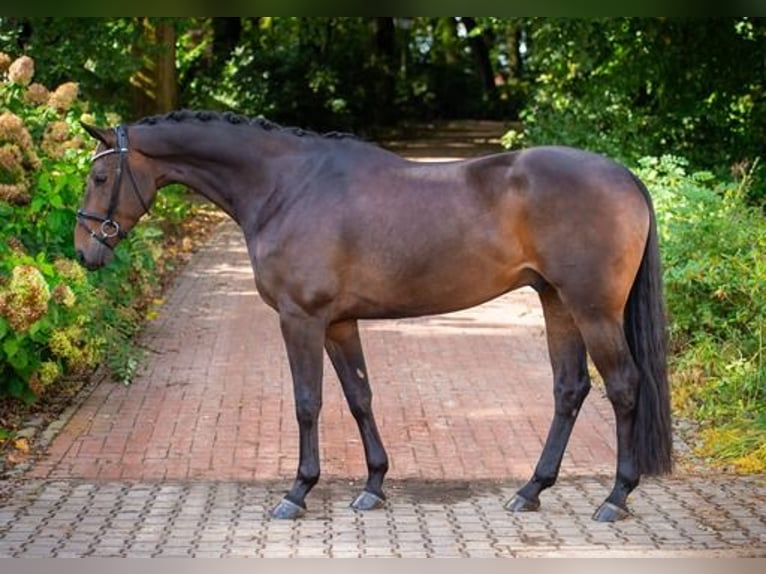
(109, 227)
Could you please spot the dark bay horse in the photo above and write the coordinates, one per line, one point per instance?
(340, 230)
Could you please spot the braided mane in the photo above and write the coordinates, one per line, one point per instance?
(232, 118)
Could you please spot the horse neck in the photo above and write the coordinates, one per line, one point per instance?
(227, 163)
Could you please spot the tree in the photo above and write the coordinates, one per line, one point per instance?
(154, 85)
(647, 86)
(480, 40)
(106, 56)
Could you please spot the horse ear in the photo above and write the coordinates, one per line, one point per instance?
(104, 135)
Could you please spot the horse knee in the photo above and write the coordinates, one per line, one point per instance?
(307, 410)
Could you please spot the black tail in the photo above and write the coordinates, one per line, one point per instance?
(646, 332)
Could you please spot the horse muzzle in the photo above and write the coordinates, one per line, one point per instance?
(95, 255)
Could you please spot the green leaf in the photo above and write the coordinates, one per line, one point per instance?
(37, 204)
(11, 347)
(3, 327)
(56, 201)
(19, 361)
(59, 222)
(17, 388)
(38, 332)
(44, 182)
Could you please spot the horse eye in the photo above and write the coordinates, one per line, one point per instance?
(99, 178)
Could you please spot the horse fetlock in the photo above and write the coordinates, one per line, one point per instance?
(627, 483)
(544, 480)
(308, 477)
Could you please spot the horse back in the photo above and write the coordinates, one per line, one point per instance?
(395, 238)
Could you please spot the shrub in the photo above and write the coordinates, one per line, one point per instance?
(624, 86)
(713, 246)
(56, 320)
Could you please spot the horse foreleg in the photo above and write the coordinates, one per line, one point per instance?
(570, 387)
(345, 351)
(304, 337)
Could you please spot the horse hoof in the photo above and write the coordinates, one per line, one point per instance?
(609, 512)
(367, 501)
(520, 504)
(287, 510)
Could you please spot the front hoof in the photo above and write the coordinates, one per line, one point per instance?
(368, 501)
(520, 504)
(287, 510)
(609, 512)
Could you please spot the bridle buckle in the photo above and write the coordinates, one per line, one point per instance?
(110, 228)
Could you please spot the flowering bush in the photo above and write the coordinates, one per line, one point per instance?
(26, 298)
(18, 160)
(55, 320)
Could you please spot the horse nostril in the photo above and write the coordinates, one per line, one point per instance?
(80, 256)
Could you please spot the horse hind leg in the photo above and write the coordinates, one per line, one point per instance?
(571, 385)
(608, 347)
(344, 348)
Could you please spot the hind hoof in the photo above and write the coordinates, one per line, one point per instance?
(287, 510)
(367, 501)
(520, 504)
(609, 512)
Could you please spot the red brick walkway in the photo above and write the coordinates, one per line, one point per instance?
(460, 396)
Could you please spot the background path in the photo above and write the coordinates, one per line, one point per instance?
(190, 457)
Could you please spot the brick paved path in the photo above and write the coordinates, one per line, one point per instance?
(188, 459)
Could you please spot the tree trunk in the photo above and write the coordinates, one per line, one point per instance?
(155, 86)
(514, 55)
(165, 67)
(480, 50)
(226, 34)
(384, 66)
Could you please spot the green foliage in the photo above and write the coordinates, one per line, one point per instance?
(341, 73)
(630, 87)
(306, 71)
(56, 320)
(712, 244)
(98, 53)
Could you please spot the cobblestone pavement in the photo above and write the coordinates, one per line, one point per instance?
(189, 458)
(673, 517)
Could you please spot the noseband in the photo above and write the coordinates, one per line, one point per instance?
(109, 227)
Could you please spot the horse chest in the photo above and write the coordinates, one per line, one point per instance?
(299, 282)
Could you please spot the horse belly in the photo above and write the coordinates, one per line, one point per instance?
(429, 285)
